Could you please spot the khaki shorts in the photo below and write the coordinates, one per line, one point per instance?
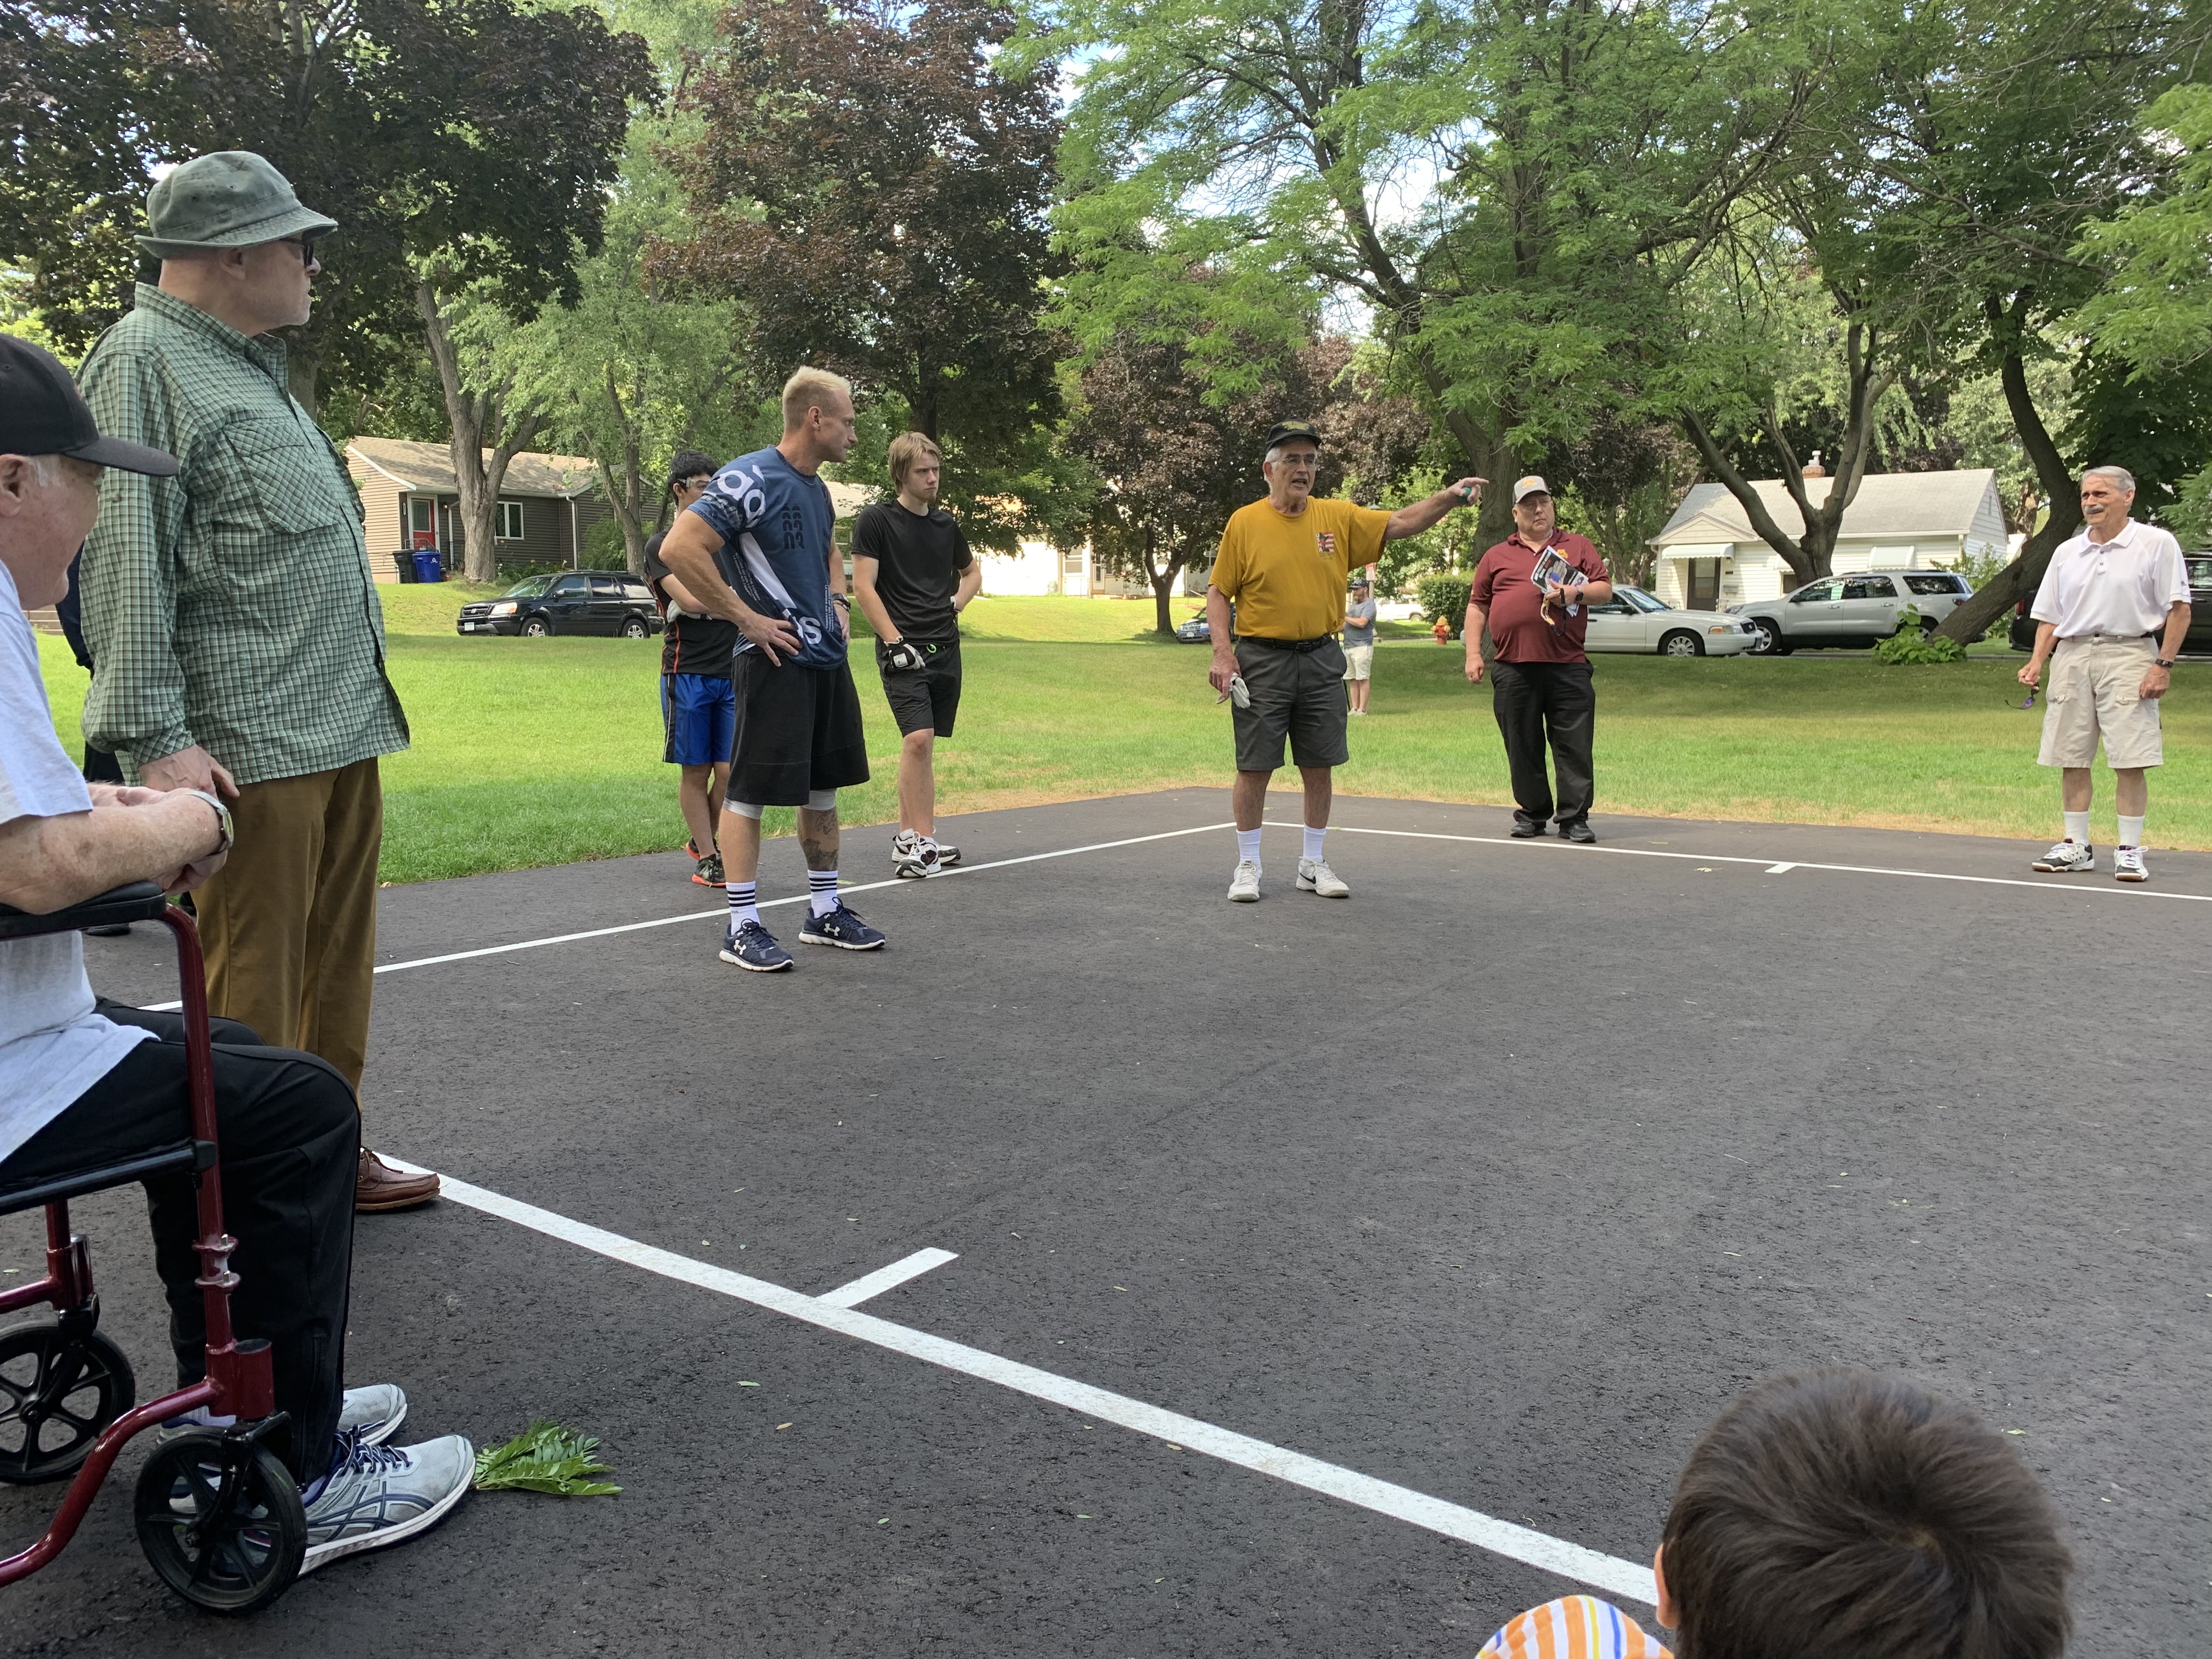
(2095, 692)
(1359, 662)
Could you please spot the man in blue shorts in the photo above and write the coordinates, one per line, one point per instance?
(756, 549)
(698, 705)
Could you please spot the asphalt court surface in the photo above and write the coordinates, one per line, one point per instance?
(1495, 1181)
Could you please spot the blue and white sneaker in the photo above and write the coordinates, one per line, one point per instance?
(378, 1496)
(753, 946)
(842, 928)
(374, 1413)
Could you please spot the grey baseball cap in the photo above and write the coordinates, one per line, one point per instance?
(231, 198)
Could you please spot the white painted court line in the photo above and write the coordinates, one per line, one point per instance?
(2112, 889)
(765, 904)
(1628, 1579)
(1777, 869)
(885, 1279)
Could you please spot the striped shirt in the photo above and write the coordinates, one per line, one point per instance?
(230, 606)
(1572, 1627)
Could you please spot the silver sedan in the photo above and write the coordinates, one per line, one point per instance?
(1632, 620)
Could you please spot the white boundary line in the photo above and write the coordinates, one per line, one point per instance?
(887, 1279)
(766, 904)
(1772, 868)
(1627, 1579)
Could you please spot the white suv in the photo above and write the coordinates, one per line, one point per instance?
(1852, 611)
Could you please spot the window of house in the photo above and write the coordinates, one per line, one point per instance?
(510, 521)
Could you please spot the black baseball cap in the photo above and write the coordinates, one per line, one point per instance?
(42, 414)
(1283, 431)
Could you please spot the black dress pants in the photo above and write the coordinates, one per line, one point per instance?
(1536, 700)
(290, 1137)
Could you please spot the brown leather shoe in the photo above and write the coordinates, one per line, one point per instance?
(380, 1187)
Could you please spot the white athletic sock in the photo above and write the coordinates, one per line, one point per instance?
(743, 905)
(2131, 832)
(2077, 827)
(1248, 846)
(1312, 853)
(822, 891)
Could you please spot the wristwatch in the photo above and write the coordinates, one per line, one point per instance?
(2162, 662)
(221, 818)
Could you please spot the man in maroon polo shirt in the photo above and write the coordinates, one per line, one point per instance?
(1541, 678)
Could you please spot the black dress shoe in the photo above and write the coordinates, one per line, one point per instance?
(1524, 830)
(1581, 832)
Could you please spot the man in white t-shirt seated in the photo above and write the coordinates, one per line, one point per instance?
(86, 1086)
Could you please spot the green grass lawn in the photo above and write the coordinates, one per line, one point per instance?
(543, 751)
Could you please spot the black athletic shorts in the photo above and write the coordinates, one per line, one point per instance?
(799, 730)
(924, 699)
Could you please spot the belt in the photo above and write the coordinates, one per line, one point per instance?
(2107, 638)
(1314, 644)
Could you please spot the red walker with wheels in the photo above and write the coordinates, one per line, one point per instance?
(218, 1514)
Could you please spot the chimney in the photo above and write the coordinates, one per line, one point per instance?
(1814, 470)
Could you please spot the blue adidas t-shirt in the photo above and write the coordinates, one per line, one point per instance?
(777, 524)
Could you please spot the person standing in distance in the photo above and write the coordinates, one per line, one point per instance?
(1360, 616)
(914, 575)
(1542, 686)
(698, 705)
(757, 548)
(2104, 596)
(236, 635)
(1283, 563)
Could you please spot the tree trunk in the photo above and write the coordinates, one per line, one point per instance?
(1811, 554)
(1163, 582)
(1971, 620)
(625, 481)
(475, 416)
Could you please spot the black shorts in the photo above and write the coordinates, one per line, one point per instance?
(924, 699)
(1295, 694)
(798, 731)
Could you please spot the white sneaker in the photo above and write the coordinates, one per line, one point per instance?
(378, 1496)
(2128, 865)
(374, 1411)
(1316, 877)
(2067, 858)
(1244, 885)
(913, 856)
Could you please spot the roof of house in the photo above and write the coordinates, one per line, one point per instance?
(1901, 504)
(430, 467)
(414, 465)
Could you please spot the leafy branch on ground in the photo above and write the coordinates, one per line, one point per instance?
(1913, 644)
(547, 1458)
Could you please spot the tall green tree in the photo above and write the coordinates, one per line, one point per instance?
(1508, 192)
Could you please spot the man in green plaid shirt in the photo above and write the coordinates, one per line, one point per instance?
(237, 638)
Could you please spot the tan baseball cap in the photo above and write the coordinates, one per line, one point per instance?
(229, 198)
(1531, 485)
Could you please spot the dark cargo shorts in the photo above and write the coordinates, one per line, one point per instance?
(1299, 695)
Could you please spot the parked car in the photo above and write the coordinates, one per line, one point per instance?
(1845, 612)
(1632, 620)
(1196, 631)
(570, 601)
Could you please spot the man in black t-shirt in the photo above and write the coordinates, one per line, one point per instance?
(914, 575)
(698, 704)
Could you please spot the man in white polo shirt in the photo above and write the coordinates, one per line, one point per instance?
(2104, 597)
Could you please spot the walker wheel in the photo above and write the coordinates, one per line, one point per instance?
(58, 1393)
(221, 1520)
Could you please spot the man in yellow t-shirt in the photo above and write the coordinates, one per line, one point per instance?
(1283, 564)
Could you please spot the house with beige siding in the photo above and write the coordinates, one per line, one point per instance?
(547, 505)
(1710, 557)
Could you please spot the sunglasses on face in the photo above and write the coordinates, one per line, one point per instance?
(305, 244)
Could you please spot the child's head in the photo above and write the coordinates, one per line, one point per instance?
(1843, 1514)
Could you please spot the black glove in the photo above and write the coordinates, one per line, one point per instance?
(903, 655)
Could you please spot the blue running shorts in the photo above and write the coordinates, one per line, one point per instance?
(699, 712)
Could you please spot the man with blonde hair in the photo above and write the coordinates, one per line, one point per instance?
(757, 550)
(914, 575)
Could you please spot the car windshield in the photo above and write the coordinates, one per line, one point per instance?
(528, 588)
(2200, 572)
(1637, 596)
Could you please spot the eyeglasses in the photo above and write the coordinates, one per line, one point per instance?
(305, 244)
(2030, 703)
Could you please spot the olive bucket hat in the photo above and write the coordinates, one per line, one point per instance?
(232, 198)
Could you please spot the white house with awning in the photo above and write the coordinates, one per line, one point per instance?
(1710, 557)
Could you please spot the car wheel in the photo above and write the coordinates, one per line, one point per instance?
(1681, 643)
(1770, 639)
(536, 627)
(634, 628)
